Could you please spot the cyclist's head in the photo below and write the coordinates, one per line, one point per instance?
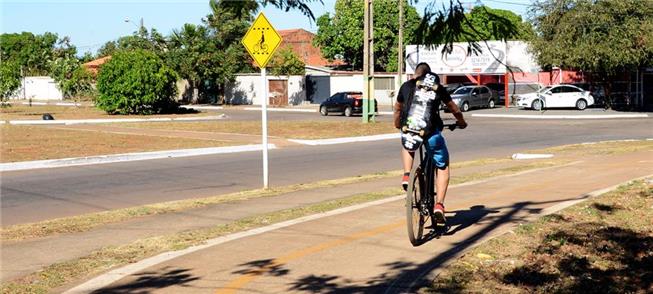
(421, 69)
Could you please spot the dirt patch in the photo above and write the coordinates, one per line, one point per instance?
(23, 143)
(296, 130)
(603, 245)
(26, 112)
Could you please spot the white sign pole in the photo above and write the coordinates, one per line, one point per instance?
(264, 123)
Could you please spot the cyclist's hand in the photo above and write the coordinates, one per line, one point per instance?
(461, 124)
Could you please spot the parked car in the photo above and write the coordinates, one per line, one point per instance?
(454, 86)
(499, 91)
(473, 96)
(558, 96)
(597, 91)
(347, 103)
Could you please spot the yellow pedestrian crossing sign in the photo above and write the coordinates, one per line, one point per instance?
(261, 40)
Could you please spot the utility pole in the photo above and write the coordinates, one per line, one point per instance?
(368, 62)
(400, 51)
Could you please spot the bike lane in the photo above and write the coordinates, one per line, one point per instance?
(367, 250)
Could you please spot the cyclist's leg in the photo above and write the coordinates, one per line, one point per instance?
(438, 150)
(407, 161)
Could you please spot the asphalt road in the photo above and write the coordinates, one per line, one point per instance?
(34, 195)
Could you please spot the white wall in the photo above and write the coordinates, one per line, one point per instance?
(38, 88)
(248, 89)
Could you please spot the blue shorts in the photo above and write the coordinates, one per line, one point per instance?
(437, 147)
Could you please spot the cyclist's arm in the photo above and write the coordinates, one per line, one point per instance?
(397, 114)
(401, 97)
(446, 98)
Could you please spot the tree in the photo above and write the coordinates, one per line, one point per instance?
(342, 33)
(481, 19)
(593, 35)
(150, 40)
(9, 79)
(29, 51)
(71, 78)
(286, 62)
(136, 82)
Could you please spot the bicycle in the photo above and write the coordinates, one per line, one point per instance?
(419, 209)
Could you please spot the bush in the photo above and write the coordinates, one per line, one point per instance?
(9, 79)
(136, 82)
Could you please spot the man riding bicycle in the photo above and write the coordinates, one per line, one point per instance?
(435, 143)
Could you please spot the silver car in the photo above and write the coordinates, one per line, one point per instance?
(473, 96)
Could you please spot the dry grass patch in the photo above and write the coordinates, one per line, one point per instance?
(296, 130)
(603, 245)
(22, 143)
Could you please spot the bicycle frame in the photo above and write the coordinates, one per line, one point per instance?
(428, 171)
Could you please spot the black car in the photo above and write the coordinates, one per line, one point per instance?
(347, 103)
(499, 91)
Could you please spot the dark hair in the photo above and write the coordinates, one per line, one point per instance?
(422, 68)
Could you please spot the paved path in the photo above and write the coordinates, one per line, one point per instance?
(367, 250)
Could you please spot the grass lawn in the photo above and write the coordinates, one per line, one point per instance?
(22, 143)
(308, 129)
(603, 245)
(23, 112)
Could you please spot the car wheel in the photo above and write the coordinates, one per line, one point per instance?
(537, 104)
(491, 103)
(581, 104)
(323, 111)
(465, 107)
(348, 111)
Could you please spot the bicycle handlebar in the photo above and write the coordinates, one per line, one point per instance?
(451, 127)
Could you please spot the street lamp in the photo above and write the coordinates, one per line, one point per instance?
(138, 27)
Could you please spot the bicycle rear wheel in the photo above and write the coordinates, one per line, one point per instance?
(415, 213)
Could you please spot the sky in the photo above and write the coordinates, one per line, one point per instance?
(92, 23)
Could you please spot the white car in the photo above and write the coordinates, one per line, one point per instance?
(558, 96)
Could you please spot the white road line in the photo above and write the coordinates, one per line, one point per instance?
(202, 107)
(347, 139)
(553, 116)
(283, 109)
(102, 159)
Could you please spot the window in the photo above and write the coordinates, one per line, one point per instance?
(384, 83)
(570, 90)
(484, 90)
(556, 90)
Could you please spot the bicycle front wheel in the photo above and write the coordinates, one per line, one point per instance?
(415, 216)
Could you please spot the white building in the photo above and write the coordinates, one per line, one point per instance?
(38, 88)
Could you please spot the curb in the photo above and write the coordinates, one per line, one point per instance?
(202, 107)
(346, 139)
(529, 116)
(102, 159)
(282, 109)
(111, 120)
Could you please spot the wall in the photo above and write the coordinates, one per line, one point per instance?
(247, 89)
(38, 88)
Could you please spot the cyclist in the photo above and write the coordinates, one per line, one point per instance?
(435, 143)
